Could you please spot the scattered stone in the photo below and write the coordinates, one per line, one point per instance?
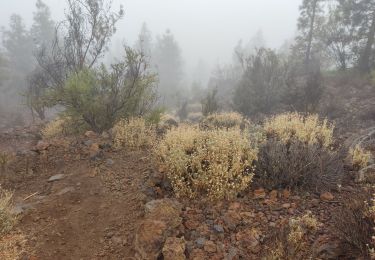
(117, 240)
(56, 177)
(200, 242)
(174, 249)
(105, 135)
(19, 209)
(273, 195)
(191, 224)
(91, 134)
(249, 239)
(210, 247)
(88, 143)
(326, 196)
(41, 146)
(315, 202)
(286, 194)
(94, 151)
(219, 228)
(286, 205)
(232, 219)
(109, 162)
(65, 190)
(259, 194)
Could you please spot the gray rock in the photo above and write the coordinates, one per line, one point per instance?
(65, 190)
(219, 228)
(19, 209)
(109, 162)
(88, 142)
(56, 177)
(200, 242)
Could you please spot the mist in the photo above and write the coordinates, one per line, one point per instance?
(206, 31)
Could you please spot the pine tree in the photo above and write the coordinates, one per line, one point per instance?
(310, 27)
(168, 61)
(18, 46)
(144, 41)
(43, 28)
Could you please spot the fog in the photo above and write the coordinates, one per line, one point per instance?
(207, 31)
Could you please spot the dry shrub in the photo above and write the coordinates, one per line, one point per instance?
(224, 121)
(4, 160)
(167, 122)
(133, 133)
(354, 223)
(7, 220)
(63, 126)
(360, 158)
(12, 246)
(217, 163)
(291, 242)
(296, 165)
(308, 129)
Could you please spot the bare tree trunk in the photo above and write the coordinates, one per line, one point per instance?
(364, 64)
(311, 32)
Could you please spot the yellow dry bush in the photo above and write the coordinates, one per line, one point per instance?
(12, 246)
(7, 219)
(4, 159)
(63, 126)
(216, 163)
(224, 121)
(360, 157)
(133, 133)
(55, 128)
(307, 129)
(292, 242)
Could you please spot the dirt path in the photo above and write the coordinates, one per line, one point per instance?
(91, 213)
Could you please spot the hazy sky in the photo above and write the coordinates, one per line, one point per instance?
(205, 29)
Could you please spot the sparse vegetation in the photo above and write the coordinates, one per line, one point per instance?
(215, 164)
(354, 223)
(234, 160)
(308, 129)
(133, 133)
(292, 241)
(4, 160)
(209, 103)
(297, 165)
(360, 158)
(224, 121)
(63, 126)
(7, 219)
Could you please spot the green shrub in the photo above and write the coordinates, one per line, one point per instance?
(101, 97)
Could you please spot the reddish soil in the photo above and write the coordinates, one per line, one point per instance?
(93, 212)
(89, 214)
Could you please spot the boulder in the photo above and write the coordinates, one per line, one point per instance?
(326, 196)
(149, 239)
